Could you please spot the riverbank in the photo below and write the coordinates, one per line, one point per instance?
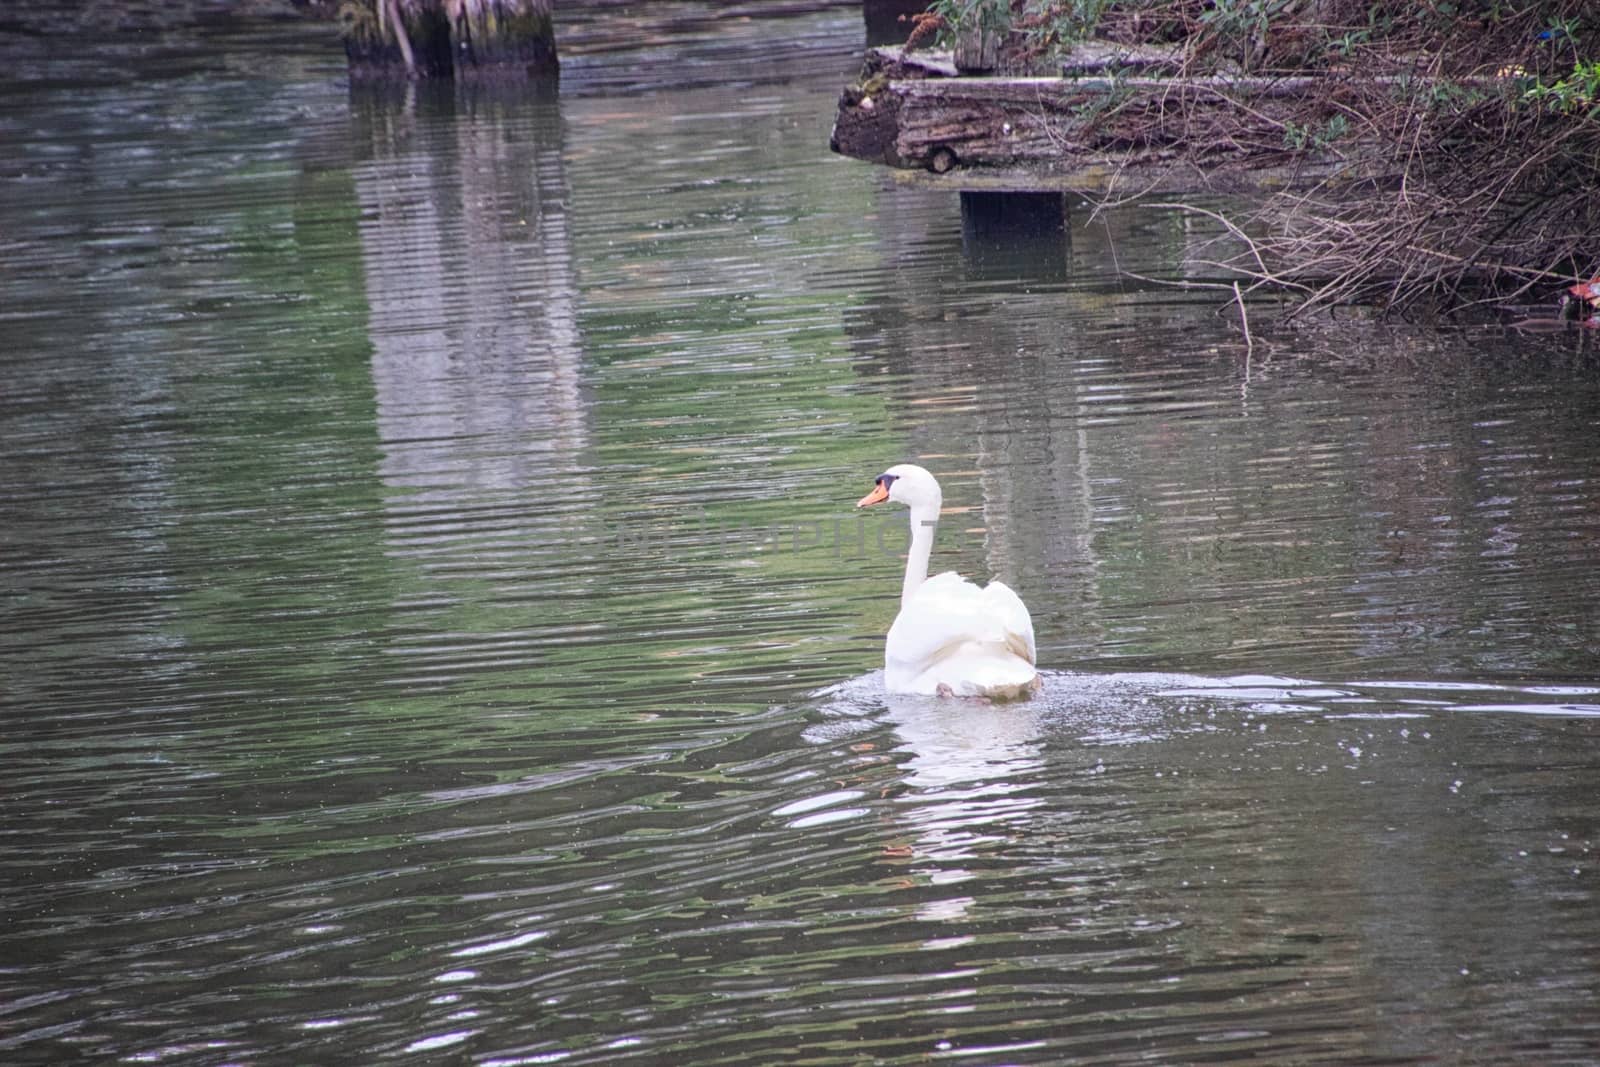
(1421, 159)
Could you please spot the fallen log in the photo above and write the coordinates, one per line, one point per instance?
(1214, 133)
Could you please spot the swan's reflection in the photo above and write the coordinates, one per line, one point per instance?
(967, 769)
(977, 789)
(963, 743)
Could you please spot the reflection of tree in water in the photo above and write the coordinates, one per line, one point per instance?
(469, 273)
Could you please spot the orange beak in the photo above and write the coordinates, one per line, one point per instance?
(878, 495)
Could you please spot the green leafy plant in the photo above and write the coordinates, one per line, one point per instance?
(1243, 25)
(990, 15)
(1298, 138)
(1055, 25)
(1578, 92)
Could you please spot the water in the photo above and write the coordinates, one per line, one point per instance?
(436, 628)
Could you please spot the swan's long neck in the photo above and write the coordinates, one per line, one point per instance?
(923, 520)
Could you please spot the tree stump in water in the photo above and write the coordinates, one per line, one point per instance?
(449, 38)
(396, 38)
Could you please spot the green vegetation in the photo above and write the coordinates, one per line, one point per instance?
(1577, 93)
(1298, 138)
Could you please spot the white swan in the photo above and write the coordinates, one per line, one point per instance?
(951, 638)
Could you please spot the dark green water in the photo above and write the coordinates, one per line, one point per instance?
(434, 626)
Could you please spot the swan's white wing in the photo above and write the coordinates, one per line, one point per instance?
(952, 632)
(945, 611)
(1013, 616)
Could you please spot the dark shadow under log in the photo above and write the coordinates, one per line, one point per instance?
(1012, 234)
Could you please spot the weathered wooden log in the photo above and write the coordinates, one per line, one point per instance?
(1107, 57)
(449, 38)
(910, 111)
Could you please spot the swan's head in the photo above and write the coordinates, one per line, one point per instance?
(907, 484)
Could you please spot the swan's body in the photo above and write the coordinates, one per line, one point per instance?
(951, 638)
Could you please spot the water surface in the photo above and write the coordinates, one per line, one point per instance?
(435, 626)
